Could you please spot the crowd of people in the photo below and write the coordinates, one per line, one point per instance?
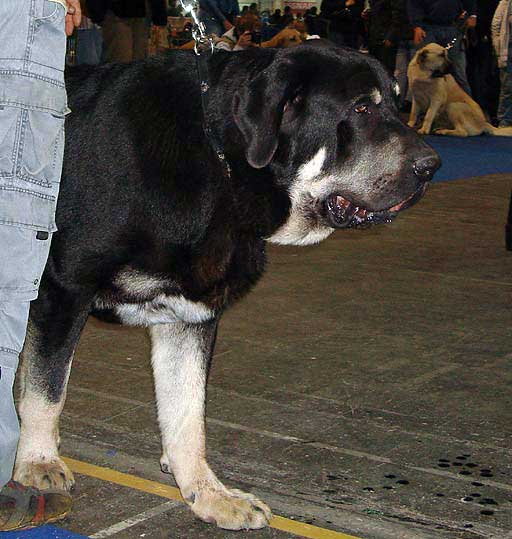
(476, 33)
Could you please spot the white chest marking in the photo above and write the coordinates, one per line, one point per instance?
(163, 310)
(310, 170)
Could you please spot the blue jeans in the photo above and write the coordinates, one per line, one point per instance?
(505, 106)
(443, 35)
(89, 46)
(32, 109)
(404, 55)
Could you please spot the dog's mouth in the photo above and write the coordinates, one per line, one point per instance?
(343, 213)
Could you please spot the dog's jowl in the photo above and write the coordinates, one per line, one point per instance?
(152, 233)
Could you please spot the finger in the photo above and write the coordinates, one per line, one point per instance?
(69, 25)
(74, 11)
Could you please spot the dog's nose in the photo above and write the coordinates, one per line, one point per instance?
(425, 167)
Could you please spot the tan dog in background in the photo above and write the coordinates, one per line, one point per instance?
(448, 109)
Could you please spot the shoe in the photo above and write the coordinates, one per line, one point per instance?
(24, 507)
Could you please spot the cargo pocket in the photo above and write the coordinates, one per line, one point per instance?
(41, 144)
(49, 35)
(24, 256)
(10, 118)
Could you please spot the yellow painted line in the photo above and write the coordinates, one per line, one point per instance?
(166, 491)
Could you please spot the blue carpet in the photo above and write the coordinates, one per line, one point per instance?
(471, 156)
(45, 532)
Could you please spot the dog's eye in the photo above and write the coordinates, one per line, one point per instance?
(362, 109)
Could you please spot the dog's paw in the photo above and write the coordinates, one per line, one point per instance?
(423, 131)
(230, 509)
(43, 475)
(411, 124)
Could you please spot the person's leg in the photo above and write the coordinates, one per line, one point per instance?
(375, 49)
(404, 56)
(389, 58)
(117, 39)
(88, 46)
(32, 110)
(401, 71)
(140, 37)
(337, 38)
(13, 323)
(505, 105)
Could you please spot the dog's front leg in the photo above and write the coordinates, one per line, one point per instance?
(181, 354)
(413, 116)
(430, 116)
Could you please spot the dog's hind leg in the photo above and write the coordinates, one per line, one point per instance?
(56, 321)
(459, 132)
(181, 354)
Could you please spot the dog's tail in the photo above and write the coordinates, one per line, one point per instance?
(498, 131)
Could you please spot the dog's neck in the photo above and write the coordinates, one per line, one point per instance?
(437, 74)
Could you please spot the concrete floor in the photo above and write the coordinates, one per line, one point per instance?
(365, 386)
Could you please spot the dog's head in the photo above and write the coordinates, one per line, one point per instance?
(433, 58)
(325, 123)
(289, 37)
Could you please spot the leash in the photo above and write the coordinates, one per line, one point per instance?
(460, 26)
(204, 48)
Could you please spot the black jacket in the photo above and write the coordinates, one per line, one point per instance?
(129, 9)
(441, 12)
(340, 16)
(388, 20)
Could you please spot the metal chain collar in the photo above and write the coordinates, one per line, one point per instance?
(202, 40)
(204, 43)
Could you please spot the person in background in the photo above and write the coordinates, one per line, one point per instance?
(344, 17)
(230, 9)
(502, 41)
(388, 27)
(124, 26)
(275, 18)
(310, 19)
(89, 42)
(215, 21)
(482, 70)
(287, 17)
(444, 22)
(33, 97)
(404, 54)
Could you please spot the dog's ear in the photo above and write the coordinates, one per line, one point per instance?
(258, 112)
(422, 56)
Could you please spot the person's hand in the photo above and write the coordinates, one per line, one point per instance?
(245, 40)
(471, 22)
(227, 25)
(419, 35)
(388, 43)
(73, 16)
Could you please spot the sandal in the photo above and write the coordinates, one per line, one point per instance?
(24, 507)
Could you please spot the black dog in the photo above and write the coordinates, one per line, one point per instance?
(151, 233)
